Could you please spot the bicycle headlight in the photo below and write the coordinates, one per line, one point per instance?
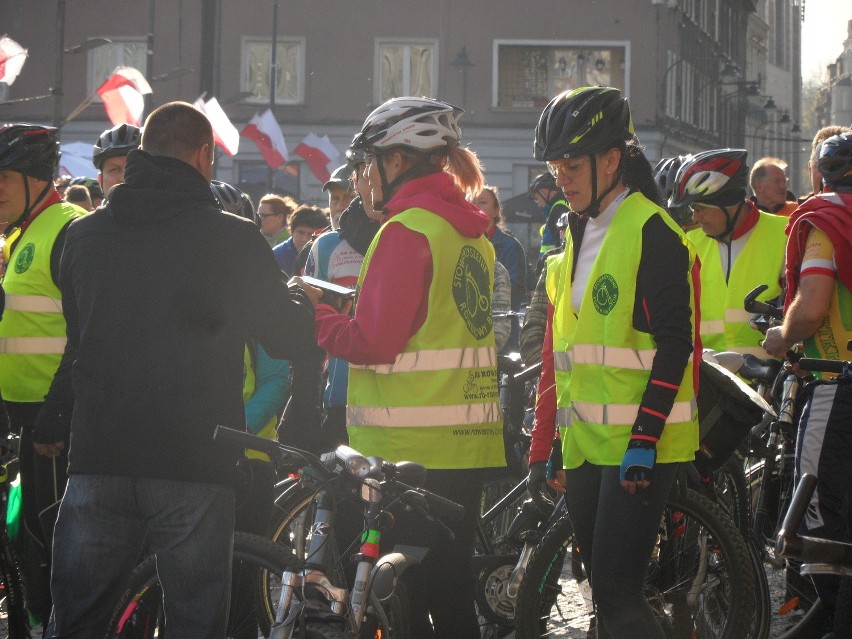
(355, 463)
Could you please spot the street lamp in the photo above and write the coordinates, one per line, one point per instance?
(88, 45)
(462, 63)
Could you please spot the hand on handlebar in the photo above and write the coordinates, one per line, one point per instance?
(775, 344)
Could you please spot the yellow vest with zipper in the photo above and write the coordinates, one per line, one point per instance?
(32, 331)
(437, 404)
(724, 323)
(602, 363)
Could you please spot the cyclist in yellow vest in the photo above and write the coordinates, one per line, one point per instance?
(548, 198)
(818, 312)
(422, 380)
(619, 349)
(740, 247)
(32, 331)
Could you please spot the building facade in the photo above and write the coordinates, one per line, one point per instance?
(335, 61)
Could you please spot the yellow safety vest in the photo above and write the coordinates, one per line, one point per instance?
(724, 323)
(601, 363)
(32, 331)
(437, 404)
(249, 386)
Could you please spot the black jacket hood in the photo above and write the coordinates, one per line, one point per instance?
(156, 188)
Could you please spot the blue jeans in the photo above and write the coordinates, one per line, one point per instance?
(107, 523)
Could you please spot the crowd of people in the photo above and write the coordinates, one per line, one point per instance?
(144, 308)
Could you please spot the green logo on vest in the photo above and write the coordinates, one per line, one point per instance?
(605, 294)
(25, 258)
(472, 292)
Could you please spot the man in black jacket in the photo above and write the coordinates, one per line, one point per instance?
(162, 291)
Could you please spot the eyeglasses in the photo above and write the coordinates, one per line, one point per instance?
(263, 216)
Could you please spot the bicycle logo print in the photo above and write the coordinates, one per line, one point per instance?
(605, 294)
(472, 292)
(25, 258)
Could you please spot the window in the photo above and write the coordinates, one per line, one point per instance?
(406, 68)
(290, 70)
(530, 74)
(119, 53)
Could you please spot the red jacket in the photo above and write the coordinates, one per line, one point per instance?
(392, 301)
(832, 214)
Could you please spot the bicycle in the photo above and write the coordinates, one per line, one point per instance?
(293, 595)
(14, 620)
(700, 581)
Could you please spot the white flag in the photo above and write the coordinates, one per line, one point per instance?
(12, 58)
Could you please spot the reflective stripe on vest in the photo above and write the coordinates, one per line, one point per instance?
(616, 414)
(32, 345)
(724, 323)
(33, 304)
(437, 404)
(422, 416)
(602, 364)
(435, 360)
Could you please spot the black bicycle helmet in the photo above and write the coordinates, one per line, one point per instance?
(90, 183)
(29, 149)
(544, 181)
(585, 121)
(835, 160)
(665, 174)
(232, 200)
(119, 140)
(717, 178)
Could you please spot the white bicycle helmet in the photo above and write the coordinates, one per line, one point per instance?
(420, 124)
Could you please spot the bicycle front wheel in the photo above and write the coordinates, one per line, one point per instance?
(700, 582)
(257, 568)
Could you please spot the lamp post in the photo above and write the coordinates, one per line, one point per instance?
(462, 63)
(88, 45)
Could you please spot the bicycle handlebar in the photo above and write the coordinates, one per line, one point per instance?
(751, 304)
(279, 454)
(824, 365)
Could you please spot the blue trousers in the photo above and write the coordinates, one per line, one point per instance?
(105, 526)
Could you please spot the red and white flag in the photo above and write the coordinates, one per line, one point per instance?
(267, 135)
(123, 95)
(225, 134)
(12, 58)
(320, 154)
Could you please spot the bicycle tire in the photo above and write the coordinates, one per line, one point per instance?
(732, 492)
(14, 621)
(794, 610)
(690, 522)
(138, 614)
(393, 611)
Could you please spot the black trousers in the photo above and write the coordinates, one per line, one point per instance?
(442, 586)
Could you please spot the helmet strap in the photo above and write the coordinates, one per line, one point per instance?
(418, 169)
(594, 208)
(29, 203)
(725, 236)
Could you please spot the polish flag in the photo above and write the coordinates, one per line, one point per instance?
(12, 58)
(267, 135)
(320, 154)
(123, 95)
(225, 134)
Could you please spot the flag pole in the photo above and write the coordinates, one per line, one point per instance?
(273, 81)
